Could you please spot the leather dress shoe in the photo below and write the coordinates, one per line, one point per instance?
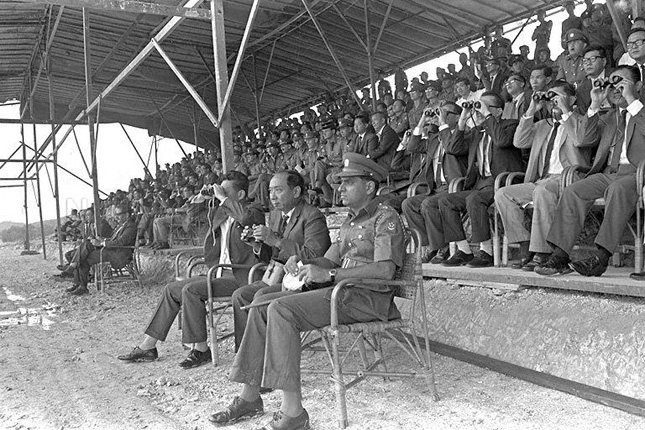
(62, 267)
(441, 256)
(196, 358)
(238, 410)
(282, 422)
(72, 288)
(428, 256)
(459, 259)
(523, 262)
(538, 260)
(637, 276)
(137, 355)
(483, 259)
(162, 245)
(555, 265)
(591, 266)
(80, 291)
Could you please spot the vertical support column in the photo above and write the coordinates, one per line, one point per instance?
(370, 54)
(26, 251)
(90, 119)
(55, 153)
(636, 8)
(39, 196)
(256, 95)
(221, 77)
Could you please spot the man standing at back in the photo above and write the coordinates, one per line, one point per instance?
(294, 228)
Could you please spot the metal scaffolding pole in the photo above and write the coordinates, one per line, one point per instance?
(39, 197)
(27, 250)
(221, 84)
(370, 54)
(90, 120)
(53, 135)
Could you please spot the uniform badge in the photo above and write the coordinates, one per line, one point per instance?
(390, 226)
(346, 163)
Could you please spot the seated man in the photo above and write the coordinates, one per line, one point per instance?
(621, 136)
(490, 152)
(115, 250)
(555, 144)
(436, 168)
(185, 216)
(223, 245)
(294, 228)
(371, 245)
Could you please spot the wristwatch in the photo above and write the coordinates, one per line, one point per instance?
(332, 275)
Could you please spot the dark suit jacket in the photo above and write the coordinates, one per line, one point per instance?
(504, 156)
(601, 130)
(583, 93)
(123, 236)
(243, 214)
(382, 150)
(361, 146)
(454, 166)
(306, 235)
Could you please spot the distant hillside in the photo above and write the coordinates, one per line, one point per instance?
(15, 232)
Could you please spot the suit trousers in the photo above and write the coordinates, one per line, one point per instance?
(192, 294)
(422, 213)
(269, 355)
(476, 203)
(621, 196)
(243, 297)
(509, 201)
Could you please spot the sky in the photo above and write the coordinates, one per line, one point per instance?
(117, 160)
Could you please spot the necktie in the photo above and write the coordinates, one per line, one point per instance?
(549, 149)
(619, 139)
(438, 173)
(283, 225)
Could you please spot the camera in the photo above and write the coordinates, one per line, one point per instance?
(471, 105)
(611, 82)
(544, 97)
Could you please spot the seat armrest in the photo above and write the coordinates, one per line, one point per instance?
(254, 269)
(512, 176)
(413, 188)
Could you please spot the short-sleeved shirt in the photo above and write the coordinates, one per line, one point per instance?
(372, 235)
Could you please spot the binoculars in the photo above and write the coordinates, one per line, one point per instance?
(207, 190)
(430, 113)
(471, 104)
(544, 97)
(611, 82)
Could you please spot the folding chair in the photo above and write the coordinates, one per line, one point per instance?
(404, 332)
(104, 272)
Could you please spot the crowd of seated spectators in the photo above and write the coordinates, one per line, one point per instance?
(397, 129)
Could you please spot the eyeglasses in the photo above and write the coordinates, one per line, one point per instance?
(510, 81)
(589, 60)
(635, 44)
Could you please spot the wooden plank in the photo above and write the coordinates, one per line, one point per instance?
(130, 6)
(614, 281)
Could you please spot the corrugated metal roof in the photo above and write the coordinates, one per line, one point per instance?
(300, 70)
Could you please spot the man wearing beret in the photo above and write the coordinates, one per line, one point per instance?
(371, 245)
(570, 66)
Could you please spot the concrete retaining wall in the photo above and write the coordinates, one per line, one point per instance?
(592, 339)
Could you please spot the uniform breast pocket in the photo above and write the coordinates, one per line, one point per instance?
(363, 241)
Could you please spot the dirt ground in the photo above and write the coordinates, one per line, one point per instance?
(58, 370)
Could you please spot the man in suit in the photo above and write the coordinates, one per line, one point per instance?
(294, 228)
(490, 152)
(436, 168)
(520, 98)
(495, 78)
(594, 62)
(117, 250)
(554, 144)
(365, 138)
(269, 355)
(382, 151)
(620, 134)
(223, 245)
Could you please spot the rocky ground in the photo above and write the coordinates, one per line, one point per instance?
(58, 370)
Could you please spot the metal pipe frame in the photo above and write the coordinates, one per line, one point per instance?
(202, 104)
(240, 57)
(370, 59)
(221, 75)
(24, 167)
(314, 19)
(56, 192)
(145, 166)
